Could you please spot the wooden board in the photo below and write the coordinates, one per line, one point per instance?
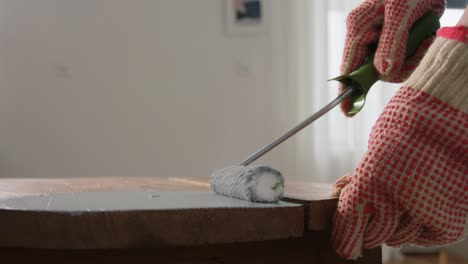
(75, 214)
(117, 220)
(316, 198)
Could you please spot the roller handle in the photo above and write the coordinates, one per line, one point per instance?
(366, 75)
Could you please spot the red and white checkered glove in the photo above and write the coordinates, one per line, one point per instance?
(386, 22)
(412, 184)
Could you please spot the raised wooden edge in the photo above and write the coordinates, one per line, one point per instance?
(318, 214)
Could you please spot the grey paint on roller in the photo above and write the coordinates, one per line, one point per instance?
(251, 183)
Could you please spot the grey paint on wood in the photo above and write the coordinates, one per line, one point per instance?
(130, 201)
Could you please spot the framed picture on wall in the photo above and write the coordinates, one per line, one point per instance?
(247, 16)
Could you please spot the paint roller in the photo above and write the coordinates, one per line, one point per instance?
(265, 184)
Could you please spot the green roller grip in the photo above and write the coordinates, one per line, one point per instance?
(366, 75)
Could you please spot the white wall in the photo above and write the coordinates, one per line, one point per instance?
(134, 88)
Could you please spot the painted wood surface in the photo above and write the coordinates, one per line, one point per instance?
(106, 204)
(134, 212)
(315, 197)
(123, 201)
(117, 220)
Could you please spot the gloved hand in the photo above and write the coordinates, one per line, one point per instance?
(412, 184)
(386, 22)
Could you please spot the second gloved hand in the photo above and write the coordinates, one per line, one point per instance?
(385, 23)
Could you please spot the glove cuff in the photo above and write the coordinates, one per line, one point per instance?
(442, 71)
(458, 33)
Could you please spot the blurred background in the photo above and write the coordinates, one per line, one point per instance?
(168, 88)
(163, 88)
